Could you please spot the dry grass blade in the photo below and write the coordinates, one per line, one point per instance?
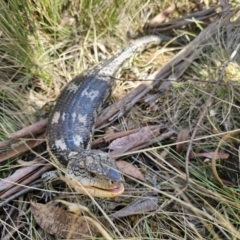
(215, 156)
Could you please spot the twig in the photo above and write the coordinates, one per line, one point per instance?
(30, 130)
(8, 182)
(29, 144)
(176, 23)
(7, 143)
(28, 189)
(27, 181)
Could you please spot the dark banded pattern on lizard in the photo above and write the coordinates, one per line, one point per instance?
(71, 126)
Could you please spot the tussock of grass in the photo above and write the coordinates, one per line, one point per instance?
(45, 43)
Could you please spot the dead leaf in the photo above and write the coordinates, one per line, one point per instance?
(123, 144)
(112, 136)
(141, 206)
(130, 170)
(62, 223)
(161, 17)
(154, 140)
(182, 137)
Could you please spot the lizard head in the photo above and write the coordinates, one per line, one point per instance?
(94, 172)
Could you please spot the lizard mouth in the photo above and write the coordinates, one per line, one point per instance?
(96, 191)
(103, 193)
(118, 189)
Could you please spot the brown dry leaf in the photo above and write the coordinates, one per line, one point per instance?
(123, 144)
(140, 206)
(61, 223)
(161, 17)
(182, 137)
(112, 136)
(130, 170)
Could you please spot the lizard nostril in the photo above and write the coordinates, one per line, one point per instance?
(111, 182)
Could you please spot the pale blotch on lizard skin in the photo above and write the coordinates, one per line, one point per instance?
(56, 117)
(72, 87)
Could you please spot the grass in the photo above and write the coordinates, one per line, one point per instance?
(44, 44)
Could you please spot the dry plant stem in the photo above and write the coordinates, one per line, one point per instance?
(200, 15)
(162, 16)
(7, 143)
(31, 130)
(224, 3)
(207, 104)
(118, 109)
(29, 144)
(181, 24)
(20, 193)
(178, 71)
(27, 181)
(107, 113)
(17, 175)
